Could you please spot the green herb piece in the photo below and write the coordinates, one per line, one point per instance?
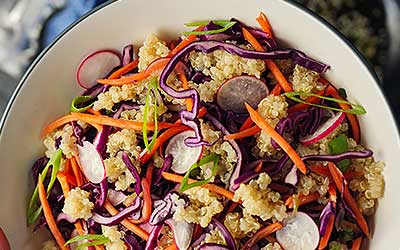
(342, 93)
(94, 240)
(34, 211)
(153, 87)
(335, 246)
(79, 100)
(210, 32)
(347, 234)
(210, 158)
(204, 23)
(339, 145)
(355, 110)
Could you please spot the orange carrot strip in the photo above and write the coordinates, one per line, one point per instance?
(303, 199)
(125, 69)
(243, 134)
(213, 188)
(276, 90)
(262, 233)
(265, 25)
(259, 167)
(57, 123)
(127, 223)
(338, 178)
(280, 78)
(260, 122)
(325, 238)
(77, 171)
(51, 223)
(161, 140)
(147, 203)
(185, 42)
(356, 244)
(149, 173)
(67, 167)
(353, 121)
(232, 207)
(349, 175)
(105, 120)
(172, 247)
(93, 112)
(321, 170)
(185, 85)
(246, 124)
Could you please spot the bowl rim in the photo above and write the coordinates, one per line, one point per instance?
(295, 4)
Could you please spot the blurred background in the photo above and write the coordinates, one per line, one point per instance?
(28, 26)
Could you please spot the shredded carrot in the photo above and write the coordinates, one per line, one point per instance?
(260, 122)
(321, 170)
(147, 203)
(103, 120)
(162, 139)
(93, 112)
(259, 167)
(172, 247)
(67, 166)
(149, 173)
(265, 25)
(125, 69)
(126, 222)
(202, 112)
(303, 199)
(185, 42)
(353, 121)
(185, 85)
(246, 124)
(213, 188)
(332, 192)
(280, 78)
(243, 134)
(262, 233)
(77, 171)
(276, 90)
(232, 207)
(301, 106)
(325, 238)
(51, 223)
(356, 244)
(339, 179)
(349, 175)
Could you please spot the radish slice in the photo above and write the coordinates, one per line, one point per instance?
(96, 65)
(236, 91)
(116, 197)
(291, 177)
(182, 232)
(92, 163)
(299, 233)
(324, 129)
(183, 156)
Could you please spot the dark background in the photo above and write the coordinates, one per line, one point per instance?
(373, 26)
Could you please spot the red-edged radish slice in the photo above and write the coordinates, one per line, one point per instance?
(240, 89)
(91, 162)
(182, 232)
(324, 129)
(116, 197)
(183, 156)
(95, 66)
(299, 233)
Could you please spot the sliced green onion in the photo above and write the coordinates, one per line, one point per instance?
(210, 158)
(33, 211)
(153, 86)
(355, 110)
(204, 23)
(339, 145)
(210, 32)
(79, 100)
(95, 240)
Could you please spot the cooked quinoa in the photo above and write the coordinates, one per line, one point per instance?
(208, 186)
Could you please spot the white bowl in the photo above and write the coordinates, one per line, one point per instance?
(46, 90)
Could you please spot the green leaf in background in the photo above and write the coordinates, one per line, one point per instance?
(210, 158)
(337, 146)
(79, 100)
(355, 110)
(34, 211)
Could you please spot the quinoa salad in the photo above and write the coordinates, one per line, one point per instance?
(220, 139)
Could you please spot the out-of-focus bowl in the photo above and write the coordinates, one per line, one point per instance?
(47, 88)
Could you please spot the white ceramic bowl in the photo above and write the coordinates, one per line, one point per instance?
(47, 88)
